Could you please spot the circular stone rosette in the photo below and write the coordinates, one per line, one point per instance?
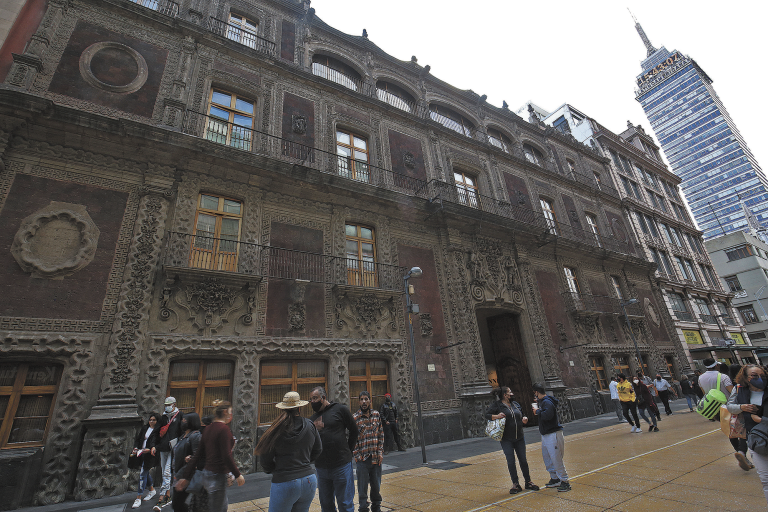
(93, 51)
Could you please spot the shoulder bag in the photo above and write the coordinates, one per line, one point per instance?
(709, 406)
(757, 439)
(495, 428)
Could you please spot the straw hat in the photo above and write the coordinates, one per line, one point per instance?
(291, 400)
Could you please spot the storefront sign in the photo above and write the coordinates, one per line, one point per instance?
(739, 338)
(693, 337)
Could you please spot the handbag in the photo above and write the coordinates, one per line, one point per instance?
(738, 428)
(725, 420)
(757, 439)
(495, 428)
(709, 406)
(195, 483)
(134, 461)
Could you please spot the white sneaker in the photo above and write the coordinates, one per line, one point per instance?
(638, 430)
(150, 495)
(634, 429)
(136, 503)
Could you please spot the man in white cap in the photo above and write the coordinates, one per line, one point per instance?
(708, 380)
(170, 429)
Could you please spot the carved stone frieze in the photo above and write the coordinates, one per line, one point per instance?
(492, 273)
(425, 322)
(365, 313)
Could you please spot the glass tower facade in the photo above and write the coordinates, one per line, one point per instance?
(701, 142)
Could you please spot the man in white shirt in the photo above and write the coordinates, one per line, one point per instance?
(663, 387)
(615, 399)
(708, 380)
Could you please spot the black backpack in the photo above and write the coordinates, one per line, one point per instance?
(757, 439)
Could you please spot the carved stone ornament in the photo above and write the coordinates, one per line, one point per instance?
(299, 124)
(409, 161)
(297, 314)
(96, 64)
(56, 241)
(492, 273)
(425, 321)
(209, 304)
(618, 231)
(651, 313)
(366, 314)
(574, 216)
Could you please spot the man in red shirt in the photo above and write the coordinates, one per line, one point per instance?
(368, 453)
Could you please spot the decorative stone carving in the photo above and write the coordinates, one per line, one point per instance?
(588, 329)
(492, 273)
(209, 304)
(425, 321)
(409, 161)
(651, 313)
(365, 313)
(106, 54)
(297, 314)
(561, 332)
(103, 447)
(299, 124)
(56, 241)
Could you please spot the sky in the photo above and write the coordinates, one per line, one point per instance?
(585, 53)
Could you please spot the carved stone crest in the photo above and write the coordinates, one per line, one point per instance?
(297, 314)
(209, 304)
(492, 273)
(409, 161)
(299, 124)
(425, 321)
(369, 315)
(56, 241)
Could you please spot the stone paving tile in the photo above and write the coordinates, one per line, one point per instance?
(551, 503)
(723, 499)
(624, 483)
(596, 496)
(402, 497)
(645, 503)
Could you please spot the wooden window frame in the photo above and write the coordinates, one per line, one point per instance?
(361, 276)
(748, 313)
(597, 367)
(548, 209)
(733, 283)
(619, 367)
(368, 379)
(616, 282)
(246, 30)
(355, 169)
(467, 193)
(244, 142)
(15, 392)
(571, 277)
(293, 381)
(534, 155)
(592, 223)
(215, 258)
(501, 143)
(201, 383)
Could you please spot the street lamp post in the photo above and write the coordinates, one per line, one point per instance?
(414, 272)
(632, 334)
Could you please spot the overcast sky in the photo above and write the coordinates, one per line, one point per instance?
(584, 53)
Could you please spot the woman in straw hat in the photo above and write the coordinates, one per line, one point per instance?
(287, 449)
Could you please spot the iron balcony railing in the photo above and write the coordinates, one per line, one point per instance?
(240, 35)
(201, 251)
(729, 321)
(594, 304)
(708, 319)
(685, 316)
(396, 101)
(166, 7)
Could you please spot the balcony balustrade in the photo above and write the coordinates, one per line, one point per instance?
(240, 35)
(729, 321)
(202, 252)
(685, 316)
(582, 303)
(708, 319)
(166, 7)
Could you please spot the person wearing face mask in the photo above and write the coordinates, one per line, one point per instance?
(663, 388)
(689, 392)
(170, 430)
(338, 432)
(748, 399)
(142, 458)
(388, 412)
(644, 401)
(188, 443)
(628, 402)
(513, 439)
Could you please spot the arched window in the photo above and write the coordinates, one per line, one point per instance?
(335, 71)
(466, 187)
(395, 96)
(533, 155)
(242, 30)
(498, 139)
(451, 119)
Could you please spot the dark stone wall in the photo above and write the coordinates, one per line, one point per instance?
(583, 406)
(438, 384)
(399, 145)
(441, 428)
(287, 41)
(19, 476)
(659, 332)
(570, 210)
(283, 292)
(598, 287)
(81, 295)
(620, 231)
(297, 106)
(220, 65)
(68, 81)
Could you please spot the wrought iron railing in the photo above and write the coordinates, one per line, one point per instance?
(166, 7)
(204, 252)
(350, 82)
(585, 303)
(708, 319)
(685, 316)
(240, 35)
(396, 101)
(730, 321)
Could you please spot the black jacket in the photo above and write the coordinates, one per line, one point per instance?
(188, 445)
(743, 395)
(388, 411)
(548, 422)
(337, 444)
(513, 427)
(173, 432)
(148, 460)
(294, 452)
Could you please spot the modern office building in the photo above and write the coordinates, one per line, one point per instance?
(700, 141)
(701, 312)
(741, 261)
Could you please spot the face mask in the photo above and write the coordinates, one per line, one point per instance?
(184, 425)
(658, 378)
(758, 383)
(169, 408)
(636, 381)
(316, 406)
(388, 399)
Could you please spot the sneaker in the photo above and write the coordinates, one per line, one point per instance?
(515, 489)
(638, 430)
(655, 429)
(650, 428)
(634, 428)
(743, 462)
(151, 495)
(553, 482)
(531, 486)
(164, 501)
(564, 487)
(136, 503)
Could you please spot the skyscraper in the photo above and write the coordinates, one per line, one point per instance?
(701, 142)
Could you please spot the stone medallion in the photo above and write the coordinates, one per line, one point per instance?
(56, 241)
(113, 67)
(651, 312)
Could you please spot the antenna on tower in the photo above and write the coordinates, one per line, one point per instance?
(648, 46)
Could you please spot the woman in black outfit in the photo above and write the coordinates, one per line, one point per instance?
(513, 440)
(185, 447)
(143, 457)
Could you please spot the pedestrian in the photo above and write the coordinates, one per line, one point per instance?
(552, 441)
(733, 371)
(338, 432)
(368, 453)
(216, 450)
(186, 446)
(750, 400)
(615, 399)
(708, 380)
(287, 450)
(696, 386)
(644, 401)
(170, 430)
(686, 385)
(663, 388)
(628, 402)
(388, 412)
(144, 459)
(513, 439)
(652, 389)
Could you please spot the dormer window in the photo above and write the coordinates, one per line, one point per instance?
(498, 139)
(533, 155)
(335, 71)
(451, 119)
(395, 96)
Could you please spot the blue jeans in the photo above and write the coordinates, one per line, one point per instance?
(216, 486)
(692, 399)
(294, 495)
(510, 447)
(338, 482)
(642, 410)
(368, 473)
(145, 479)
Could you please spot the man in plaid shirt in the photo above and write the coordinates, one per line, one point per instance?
(368, 452)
